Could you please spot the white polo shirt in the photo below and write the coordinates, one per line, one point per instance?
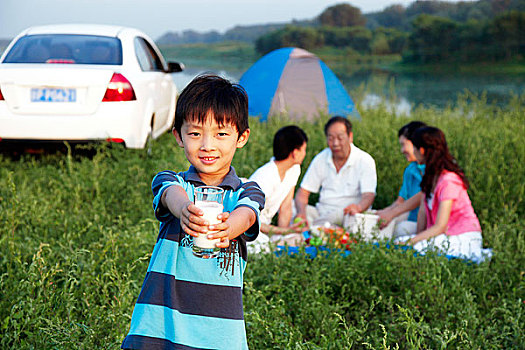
(275, 190)
(338, 190)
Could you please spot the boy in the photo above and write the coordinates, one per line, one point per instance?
(277, 179)
(186, 301)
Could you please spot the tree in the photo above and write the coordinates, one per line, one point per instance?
(507, 32)
(392, 16)
(357, 38)
(432, 39)
(342, 15)
(305, 38)
(429, 8)
(379, 44)
(250, 33)
(396, 39)
(473, 42)
(268, 42)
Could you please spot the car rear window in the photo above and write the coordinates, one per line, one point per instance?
(66, 48)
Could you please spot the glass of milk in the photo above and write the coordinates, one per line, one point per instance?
(209, 199)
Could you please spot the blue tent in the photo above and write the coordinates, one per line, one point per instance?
(295, 82)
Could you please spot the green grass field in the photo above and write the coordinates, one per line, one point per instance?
(77, 231)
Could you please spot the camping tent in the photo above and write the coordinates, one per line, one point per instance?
(295, 82)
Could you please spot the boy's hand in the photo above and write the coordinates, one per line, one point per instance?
(191, 220)
(194, 224)
(223, 231)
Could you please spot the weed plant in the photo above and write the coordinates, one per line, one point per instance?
(77, 231)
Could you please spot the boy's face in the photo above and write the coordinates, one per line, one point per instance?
(210, 148)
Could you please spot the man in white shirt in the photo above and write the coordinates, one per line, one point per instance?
(277, 179)
(344, 175)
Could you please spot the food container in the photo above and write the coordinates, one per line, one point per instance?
(366, 225)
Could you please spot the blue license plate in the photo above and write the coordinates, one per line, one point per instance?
(53, 95)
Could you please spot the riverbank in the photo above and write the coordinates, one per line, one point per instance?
(475, 68)
(236, 55)
(367, 78)
(240, 56)
(226, 55)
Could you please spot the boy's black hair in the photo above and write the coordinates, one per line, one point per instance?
(210, 93)
(408, 130)
(286, 140)
(338, 119)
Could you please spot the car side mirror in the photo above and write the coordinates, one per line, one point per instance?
(174, 67)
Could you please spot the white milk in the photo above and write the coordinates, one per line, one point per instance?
(211, 211)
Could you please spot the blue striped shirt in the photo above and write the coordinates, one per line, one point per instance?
(187, 302)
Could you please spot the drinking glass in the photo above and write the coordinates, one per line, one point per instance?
(209, 199)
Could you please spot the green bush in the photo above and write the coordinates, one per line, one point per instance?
(77, 231)
(289, 36)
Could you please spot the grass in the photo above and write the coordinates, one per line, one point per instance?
(77, 231)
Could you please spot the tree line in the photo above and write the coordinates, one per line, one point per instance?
(431, 38)
(425, 31)
(437, 39)
(380, 41)
(401, 17)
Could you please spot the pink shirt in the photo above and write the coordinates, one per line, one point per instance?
(462, 217)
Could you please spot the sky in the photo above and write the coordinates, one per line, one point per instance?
(156, 17)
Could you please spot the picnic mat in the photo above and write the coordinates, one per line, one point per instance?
(314, 251)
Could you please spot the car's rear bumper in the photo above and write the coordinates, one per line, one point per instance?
(112, 120)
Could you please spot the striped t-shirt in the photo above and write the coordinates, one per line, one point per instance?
(188, 302)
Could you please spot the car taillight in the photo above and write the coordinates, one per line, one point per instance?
(119, 89)
(116, 140)
(1, 96)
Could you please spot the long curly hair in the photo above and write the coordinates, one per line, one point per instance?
(437, 157)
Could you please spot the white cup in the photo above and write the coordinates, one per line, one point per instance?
(209, 199)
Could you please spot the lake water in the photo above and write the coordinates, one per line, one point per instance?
(405, 91)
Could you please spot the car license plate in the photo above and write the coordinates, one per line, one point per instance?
(53, 95)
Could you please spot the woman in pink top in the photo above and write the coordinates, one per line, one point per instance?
(446, 219)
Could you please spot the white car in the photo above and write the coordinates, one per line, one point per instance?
(85, 83)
